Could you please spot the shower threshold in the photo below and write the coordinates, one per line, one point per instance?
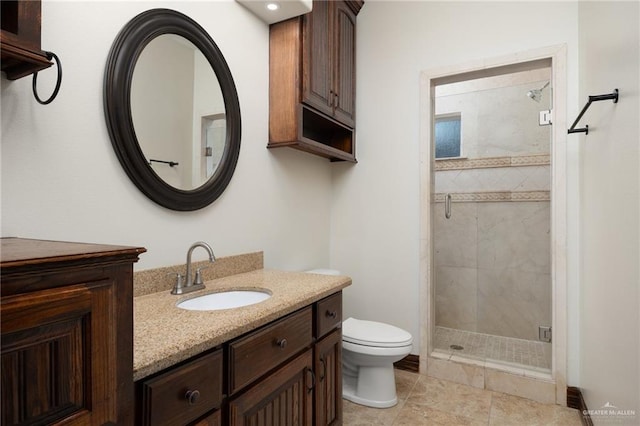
(507, 351)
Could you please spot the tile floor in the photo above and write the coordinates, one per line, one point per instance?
(505, 350)
(428, 401)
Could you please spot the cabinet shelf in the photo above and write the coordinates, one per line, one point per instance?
(20, 39)
(320, 135)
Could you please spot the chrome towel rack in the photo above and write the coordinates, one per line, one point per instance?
(609, 96)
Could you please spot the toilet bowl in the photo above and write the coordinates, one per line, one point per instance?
(369, 350)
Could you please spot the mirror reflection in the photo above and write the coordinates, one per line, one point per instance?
(178, 112)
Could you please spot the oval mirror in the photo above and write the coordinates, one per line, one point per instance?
(172, 110)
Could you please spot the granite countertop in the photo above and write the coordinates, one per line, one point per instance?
(164, 334)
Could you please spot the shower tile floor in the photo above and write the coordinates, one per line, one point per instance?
(486, 347)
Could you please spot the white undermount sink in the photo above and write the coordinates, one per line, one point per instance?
(224, 300)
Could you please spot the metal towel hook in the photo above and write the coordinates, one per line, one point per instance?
(50, 55)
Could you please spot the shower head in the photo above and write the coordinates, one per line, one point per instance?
(536, 94)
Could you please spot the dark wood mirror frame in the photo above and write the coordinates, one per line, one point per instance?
(126, 49)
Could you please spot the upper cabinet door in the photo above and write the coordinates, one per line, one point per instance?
(317, 67)
(344, 78)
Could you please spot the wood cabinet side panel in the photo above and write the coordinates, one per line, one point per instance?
(285, 49)
(123, 323)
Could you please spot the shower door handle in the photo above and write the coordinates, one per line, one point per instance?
(447, 206)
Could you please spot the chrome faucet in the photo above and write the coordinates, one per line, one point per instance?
(190, 284)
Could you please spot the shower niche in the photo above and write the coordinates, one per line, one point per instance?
(491, 218)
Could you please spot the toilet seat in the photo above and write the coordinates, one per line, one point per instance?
(374, 334)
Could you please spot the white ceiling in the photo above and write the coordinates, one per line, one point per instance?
(287, 9)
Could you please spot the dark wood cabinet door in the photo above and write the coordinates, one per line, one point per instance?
(55, 357)
(329, 60)
(344, 66)
(328, 369)
(317, 66)
(285, 398)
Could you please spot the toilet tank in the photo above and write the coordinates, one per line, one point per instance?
(324, 271)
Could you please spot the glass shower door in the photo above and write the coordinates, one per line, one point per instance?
(491, 219)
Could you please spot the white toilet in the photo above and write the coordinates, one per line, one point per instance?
(369, 350)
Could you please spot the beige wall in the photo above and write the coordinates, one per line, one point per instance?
(62, 180)
(610, 197)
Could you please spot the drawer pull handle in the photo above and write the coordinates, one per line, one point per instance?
(324, 369)
(282, 343)
(311, 385)
(192, 396)
(332, 314)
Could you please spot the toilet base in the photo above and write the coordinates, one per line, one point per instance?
(373, 387)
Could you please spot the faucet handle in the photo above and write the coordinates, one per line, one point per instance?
(179, 285)
(198, 278)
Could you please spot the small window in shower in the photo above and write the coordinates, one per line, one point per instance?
(447, 131)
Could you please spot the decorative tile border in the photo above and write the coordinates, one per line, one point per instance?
(484, 197)
(491, 162)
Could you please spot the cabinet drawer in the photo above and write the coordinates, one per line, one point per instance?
(184, 393)
(328, 314)
(255, 354)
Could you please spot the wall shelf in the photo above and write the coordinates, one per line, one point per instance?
(20, 39)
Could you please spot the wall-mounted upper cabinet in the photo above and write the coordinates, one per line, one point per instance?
(20, 38)
(312, 81)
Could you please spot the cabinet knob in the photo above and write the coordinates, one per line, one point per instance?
(332, 314)
(192, 396)
(282, 343)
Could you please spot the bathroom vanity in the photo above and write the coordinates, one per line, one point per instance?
(277, 361)
(68, 347)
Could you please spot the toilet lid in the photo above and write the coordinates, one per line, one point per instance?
(371, 333)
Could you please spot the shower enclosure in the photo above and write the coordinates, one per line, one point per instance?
(491, 219)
